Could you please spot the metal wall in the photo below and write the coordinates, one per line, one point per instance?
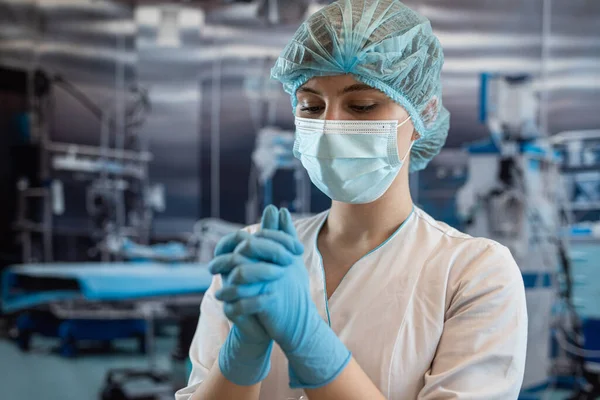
(191, 115)
(506, 36)
(84, 41)
(87, 43)
(172, 126)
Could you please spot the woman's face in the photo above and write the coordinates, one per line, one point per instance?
(344, 98)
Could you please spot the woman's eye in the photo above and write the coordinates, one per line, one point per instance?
(311, 110)
(363, 109)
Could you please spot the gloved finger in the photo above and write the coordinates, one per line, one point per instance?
(252, 305)
(231, 293)
(289, 242)
(225, 263)
(286, 224)
(270, 218)
(266, 250)
(229, 242)
(255, 273)
(249, 326)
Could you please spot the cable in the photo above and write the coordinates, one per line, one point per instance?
(78, 95)
(576, 350)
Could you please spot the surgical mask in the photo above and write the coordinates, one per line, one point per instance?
(350, 161)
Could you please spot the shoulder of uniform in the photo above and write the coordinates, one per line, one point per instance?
(440, 226)
(470, 257)
(252, 228)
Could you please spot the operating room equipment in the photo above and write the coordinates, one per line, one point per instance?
(96, 301)
(127, 249)
(525, 208)
(577, 350)
(580, 167)
(119, 197)
(352, 38)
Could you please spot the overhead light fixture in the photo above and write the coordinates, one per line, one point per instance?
(168, 27)
(277, 12)
(313, 7)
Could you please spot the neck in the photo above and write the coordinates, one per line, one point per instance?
(374, 221)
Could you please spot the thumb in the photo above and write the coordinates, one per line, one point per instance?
(250, 327)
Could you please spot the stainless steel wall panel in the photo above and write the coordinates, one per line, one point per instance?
(172, 127)
(78, 39)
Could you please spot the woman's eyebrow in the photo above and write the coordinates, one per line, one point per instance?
(356, 88)
(308, 90)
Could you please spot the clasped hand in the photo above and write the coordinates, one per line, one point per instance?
(266, 294)
(264, 275)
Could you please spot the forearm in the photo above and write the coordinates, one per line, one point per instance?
(351, 384)
(217, 387)
(325, 368)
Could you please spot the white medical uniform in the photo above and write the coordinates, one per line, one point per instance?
(432, 313)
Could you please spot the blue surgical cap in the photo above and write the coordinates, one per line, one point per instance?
(383, 44)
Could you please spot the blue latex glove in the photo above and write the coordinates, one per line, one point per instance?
(283, 305)
(244, 358)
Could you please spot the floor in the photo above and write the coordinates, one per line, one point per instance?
(43, 374)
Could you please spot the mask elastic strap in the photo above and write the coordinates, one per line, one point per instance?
(403, 122)
(411, 142)
(408, 152)
(392, 149)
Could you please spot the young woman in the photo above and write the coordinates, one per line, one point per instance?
(372, 299)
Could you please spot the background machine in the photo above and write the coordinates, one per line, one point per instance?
(515, 195)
